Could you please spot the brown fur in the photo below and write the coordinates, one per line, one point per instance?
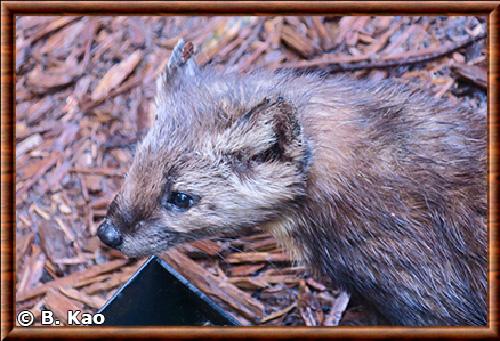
(378, 186)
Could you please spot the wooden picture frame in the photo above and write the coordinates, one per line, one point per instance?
(10, 9)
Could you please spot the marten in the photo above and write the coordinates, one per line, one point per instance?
(378, 186)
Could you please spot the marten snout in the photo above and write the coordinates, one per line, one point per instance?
(109, 234)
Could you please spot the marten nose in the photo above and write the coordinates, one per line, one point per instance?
(109, 234)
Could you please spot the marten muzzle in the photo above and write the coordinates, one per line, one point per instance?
(109, 234)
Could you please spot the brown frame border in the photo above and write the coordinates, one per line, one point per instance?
(9, 9)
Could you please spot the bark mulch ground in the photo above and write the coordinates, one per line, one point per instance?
(84, 88)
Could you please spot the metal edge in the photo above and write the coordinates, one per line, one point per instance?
(126, 284)
(181, 279)
(197, 291)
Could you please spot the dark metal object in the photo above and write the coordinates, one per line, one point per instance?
(157, 295)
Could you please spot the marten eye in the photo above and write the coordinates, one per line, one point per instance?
(180, 201)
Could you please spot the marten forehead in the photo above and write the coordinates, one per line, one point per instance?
(154, 165)
(211, 101)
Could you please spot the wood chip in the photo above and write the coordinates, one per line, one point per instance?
(279, 313)
(249, 283)
(60, 304)
(238, 300)
(33, 269)
(53, 26)
(70, 279)
(92, 301)
(111, 283)
(45, 165)
(116, 75)
(245, 270)
(68, 232)
(473, 73)
(338, 307)
(28, 144)
(208, 247)
(255, 257)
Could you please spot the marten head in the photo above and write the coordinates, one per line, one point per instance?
(223, 153)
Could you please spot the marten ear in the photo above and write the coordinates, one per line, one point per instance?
(180, 61)
(270, 131)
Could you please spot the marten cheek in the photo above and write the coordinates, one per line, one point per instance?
(175, 228)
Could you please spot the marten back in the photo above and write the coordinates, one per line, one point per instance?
(402, 195)
(380, 187)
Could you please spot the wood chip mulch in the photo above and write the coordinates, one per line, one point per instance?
(84, 88)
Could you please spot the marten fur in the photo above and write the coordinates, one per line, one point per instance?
(380, 187)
